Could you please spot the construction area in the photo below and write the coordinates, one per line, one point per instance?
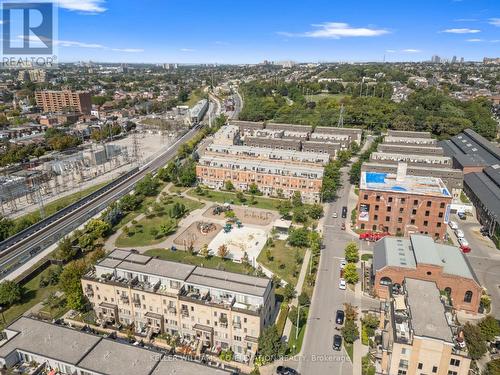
(246, 215)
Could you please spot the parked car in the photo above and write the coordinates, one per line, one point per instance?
(463, 242)
(462, 215)
(343, 262)
(459, 233)
(344, 212)
(342, 284)
(465, 249)
(339, 317)
(283, 370)
(342, 226)
(453, 225)
(337, 342)
(484, 231)
(334, 215)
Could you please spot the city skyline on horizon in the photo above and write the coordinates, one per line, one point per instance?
(248, 33)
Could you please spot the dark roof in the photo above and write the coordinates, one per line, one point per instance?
(486, 189)
(471, 149)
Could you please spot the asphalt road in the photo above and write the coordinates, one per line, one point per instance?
(484, 259)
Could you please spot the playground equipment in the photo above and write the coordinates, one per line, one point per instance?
(239, 224)
(220, 209)
(206, 228)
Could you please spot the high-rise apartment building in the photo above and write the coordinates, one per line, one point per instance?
(64, 101)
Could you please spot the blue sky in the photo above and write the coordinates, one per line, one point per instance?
(240, 31)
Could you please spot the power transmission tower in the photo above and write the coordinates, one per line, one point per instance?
(340, 124)
(136, 154)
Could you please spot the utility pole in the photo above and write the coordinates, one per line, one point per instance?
(340, 123)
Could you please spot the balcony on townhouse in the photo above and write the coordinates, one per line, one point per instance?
(89, 291)
(125, 299)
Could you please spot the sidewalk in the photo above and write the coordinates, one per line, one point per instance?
(298, 290)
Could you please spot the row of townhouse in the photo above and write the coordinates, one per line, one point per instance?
(272, 178)
(219, 309)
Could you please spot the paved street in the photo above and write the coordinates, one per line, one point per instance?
(484, 258)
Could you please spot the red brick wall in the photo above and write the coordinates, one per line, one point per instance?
(398, 209)
(458, 285)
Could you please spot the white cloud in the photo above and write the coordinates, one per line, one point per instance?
(465, 20)
(411, 50)
(336, 30)
(87, 6)
(495, 22)
(495, 41)
(474, 40)
(187, 50)
(464, 30)
(390, 50)
(72, 43)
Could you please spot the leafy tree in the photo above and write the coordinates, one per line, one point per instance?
(223, 251)
(315, 211)
(129, 202)
(6, 228)
(10, 293)
(97, 228)
(474, 339)
(245, 259)
(69, 281)
(297, 199)
(352, 252)
(293, 314)
(204, 251)
(304, 299)
(228, 185)
(178, 210)
(367, 367)
(153, 232)
(187, 174)
(147, 186)
(240, 196)
(254, 189)
(284, 209)
(350, 331)
(299, 237)
(65, 250)
(351, 273)
(289, 292)
(489, 327)
(299, 214)
(270, 344)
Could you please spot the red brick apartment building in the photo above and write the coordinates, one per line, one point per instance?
(402, 205)
(63, 101)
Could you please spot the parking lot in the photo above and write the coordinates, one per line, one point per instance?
(484, 257)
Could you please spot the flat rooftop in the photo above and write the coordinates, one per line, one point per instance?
(48, 340)
(113, 358)
(168, 366)
(433, 325)
(229, 281)
(419, 185)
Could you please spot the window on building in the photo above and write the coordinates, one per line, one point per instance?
(376, 207)
(441, 205)
(441, 214)
(375, 217)
(420, 365)
(400, 219)
(415, 202)
(401, 210)
(426, 223)
(429, 203)
(412, 221)
(434, 369)
(403, 200)
(403, 363)
(413, 212)
(454, 361)
(468, 296)
(389, 199)
(438, 225)
(450, 372)
(427, 213)
(365, 197)
(389, 209)
(387, 218)
(401, 372)
(377, 198)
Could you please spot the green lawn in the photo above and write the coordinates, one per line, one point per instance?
(59, 204)
(224, 196)
(283, 260)
(349, 348)
(140, 233)
(212, 262)
(33, 294)
(195, 97)
(292, 341)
